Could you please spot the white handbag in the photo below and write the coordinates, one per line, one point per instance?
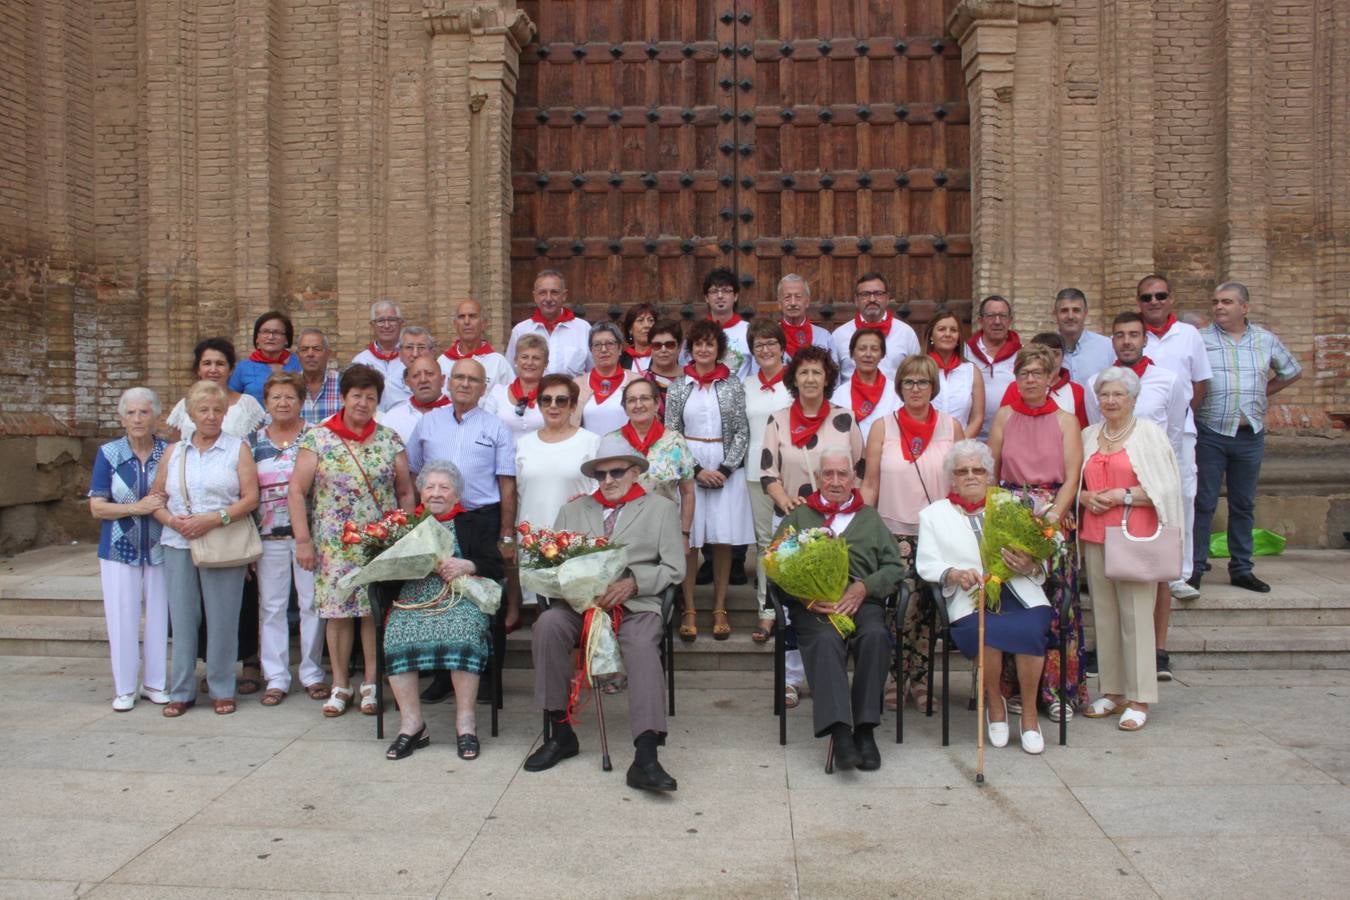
(1148, 559)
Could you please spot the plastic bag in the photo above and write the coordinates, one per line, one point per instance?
(1264, 543)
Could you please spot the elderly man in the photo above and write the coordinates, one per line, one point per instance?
(794, 300)
(423, 378)
(993, 350)
(322, 397)
(413, 341)
(470, 343)
(874, 567)
(872, 295)
(385, 324)
(1232, 429)
(648, 526)
(1085, 352)
(568, 336)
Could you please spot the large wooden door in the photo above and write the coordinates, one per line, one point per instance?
(656, 140)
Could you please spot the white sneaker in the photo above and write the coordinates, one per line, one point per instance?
(124, 702)
(1032, 742)
(1182, 591)
(155, 696)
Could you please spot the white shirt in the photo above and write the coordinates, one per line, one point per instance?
(1182, 350)
(212, 481)
(759, 405)
(1161, 401)
(602, 418)
(889, 403)
(402, 417)
(901, 342)
(498, 402)
(495, 367)
(996, 380)
(569, 346)
(1090, 355)
(820, 337)
(956, 392)
(395, 391)
(548, 475)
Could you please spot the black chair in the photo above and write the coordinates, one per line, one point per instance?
(382, 596)
(780, 670)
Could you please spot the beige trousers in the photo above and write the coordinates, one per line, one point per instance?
(761, 510)
(1123, 614)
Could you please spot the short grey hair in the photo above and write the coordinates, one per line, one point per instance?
(835, 452)
(1239, 288)
(550, 273)
(1120, 375)
(382, 304)
(967, 448)
(138, 395)
(792, 276)
(441, 467)
(1070, 293)
(319, 332)
(605, 328)
(417, 331)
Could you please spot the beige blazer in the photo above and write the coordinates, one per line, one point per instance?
(649, 529)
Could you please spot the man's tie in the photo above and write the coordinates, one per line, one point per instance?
(611, 516)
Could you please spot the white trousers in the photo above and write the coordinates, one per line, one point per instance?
(276, 569)
(126, 591)
(1189, 485)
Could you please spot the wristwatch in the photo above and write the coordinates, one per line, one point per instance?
(224, 517)
(1129, 498)
(507, 540)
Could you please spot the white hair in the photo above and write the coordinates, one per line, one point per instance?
(384, 304)
(441, 467)
(1118, 375)
(417, 331)
(138, 395)
(967, 448)
(792, 276)
(835, 453)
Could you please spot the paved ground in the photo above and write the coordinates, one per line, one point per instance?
(1237, 787)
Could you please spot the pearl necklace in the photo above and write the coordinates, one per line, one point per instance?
(1120, 435)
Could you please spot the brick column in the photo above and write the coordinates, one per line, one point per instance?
(473, 63)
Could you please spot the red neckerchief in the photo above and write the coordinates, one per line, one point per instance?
(604, 386)
(483, 350)
(729, 323)
(970, 508)
(634, 492)
(1166, 326)
(801, 427)
(376, 352)
(336, 425)
(440, 401)
(565, 316)
(1139, 367)
(865, 397)
(439, 517)
(884, 326)
(798, 336)
(1060, 380)
(1007, 351)
(1020, 405)
(280, 360)
(829, 510)
(642, 445)
(719, 372)
(767, 384)
(519, 396)
(915, 435)
(635, 353)
(945, 367)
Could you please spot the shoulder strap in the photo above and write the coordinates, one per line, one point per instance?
(362, 469)
(182, 476)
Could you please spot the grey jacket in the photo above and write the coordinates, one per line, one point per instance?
(735, 425)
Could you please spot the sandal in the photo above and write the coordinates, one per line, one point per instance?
(404, 745)
(763, 631)
(1100, 708)
(273, 697)
(466, 745)
(224, 706)
(721, 627)
(689, 625)
(176, 708)
(337, 701)
(1052, 710)
(792, 695)
(317, 691)
(368, 705)
(1132, 719)
(250, 681)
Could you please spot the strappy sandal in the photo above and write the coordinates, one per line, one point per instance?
(792, 695)
(689, 625)
(273, 697)
(1100, 708)
(224, 706)
(1132, 719)
(763, 631)
(250, 681)
(721, 627)
(466, 745)
(175, 708)
(337, 701)
(317, 691)
(404, 745)
(368, 705)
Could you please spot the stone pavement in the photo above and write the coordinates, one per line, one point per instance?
(1236, 787)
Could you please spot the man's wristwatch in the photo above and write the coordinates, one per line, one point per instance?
(225, 517)
(506, 540)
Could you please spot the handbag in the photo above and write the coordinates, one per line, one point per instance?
(1147, 559)
(235, 544)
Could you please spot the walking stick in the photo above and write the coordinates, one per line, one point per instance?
(605, 764)
(979, 696)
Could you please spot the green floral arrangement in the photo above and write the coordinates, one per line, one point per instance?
(811, 565)
(1017, 525)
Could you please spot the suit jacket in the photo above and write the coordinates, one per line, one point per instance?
(873, 555)
(735, 424)
(649, 529)
(946, 541)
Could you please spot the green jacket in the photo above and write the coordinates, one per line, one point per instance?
(873, 555)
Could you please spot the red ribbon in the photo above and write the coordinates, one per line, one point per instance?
(719, 372)
(801, 427)
(565, 316)
(582, 678)
(1139, 367)
(1007, 351)
(604, 386)
(798, 336)
(970, 508)
(946, 366)
(642, 445)
(915, 434)
(634, 492)
(339, 427)
(279, 360)
(518, 395)
(454, 353)
(440, 401)
(446, 516)
(376, 352)
(884, 326)
(767, 384)
(1160, 331)
(829, 510)
(866, 397)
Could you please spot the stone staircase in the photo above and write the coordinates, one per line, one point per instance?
(51, 605)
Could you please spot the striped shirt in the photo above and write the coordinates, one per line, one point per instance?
(1241, 367)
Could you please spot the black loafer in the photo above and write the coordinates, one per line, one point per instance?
(650, 777)
(846, 755)
(1250, 582)
(438, 690)
(738, 574)
(404, 745)
(552, 753)
(869, 754)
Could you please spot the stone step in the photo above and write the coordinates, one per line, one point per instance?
(1260, 647)
(45, 635)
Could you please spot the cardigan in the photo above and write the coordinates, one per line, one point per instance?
(1153, 460)
(735, 424)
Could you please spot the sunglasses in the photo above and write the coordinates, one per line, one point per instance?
(1160, 296)
(554, 400)
(664, 345)
(970, 471)
(616, 474)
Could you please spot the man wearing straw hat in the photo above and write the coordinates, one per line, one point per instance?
(648, 528)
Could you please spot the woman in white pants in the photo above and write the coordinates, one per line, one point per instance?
(130, 560)
(274, 449)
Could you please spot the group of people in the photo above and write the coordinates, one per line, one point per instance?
(687, 442)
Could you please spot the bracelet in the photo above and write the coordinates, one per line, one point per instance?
(685, 533)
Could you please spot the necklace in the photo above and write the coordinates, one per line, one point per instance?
(1120, 435)
(282, 445)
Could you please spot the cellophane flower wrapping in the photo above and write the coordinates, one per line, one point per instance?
(1012, 523)
(811, 565)
(416, 555)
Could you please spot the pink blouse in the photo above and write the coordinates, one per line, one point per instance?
(1105, 472)
(1033, 451)
(907, 487)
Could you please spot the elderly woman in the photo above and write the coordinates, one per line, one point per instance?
(516, 402)
(1130, 476)
(209, 480)
(431, 629)
(865, 391)
(637, 325)
(275, 447)
(130, 559)
(949, 556)
(707, 407)
(905, 473)
(670, 462)
(600, 404)
(357, 471)
(213, 360)
(959, 391)
(765, 394)
(1038, 450)
(273, 335)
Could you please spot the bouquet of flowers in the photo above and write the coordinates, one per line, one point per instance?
(1018, 525)
(811, 565)
(578, 569)
(373, 538)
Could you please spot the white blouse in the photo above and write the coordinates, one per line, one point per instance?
(889, 403)
(498, 402)
(548, 475)
(212, 481)
(602, 418)
(955, 393)
(759, 405)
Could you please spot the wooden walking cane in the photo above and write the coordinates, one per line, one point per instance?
(605, 764)
(979, 696)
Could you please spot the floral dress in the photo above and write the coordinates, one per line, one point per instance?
(341, 494)
(670, 461)
(430, 629)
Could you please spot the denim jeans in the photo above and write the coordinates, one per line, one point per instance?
(1238, 458)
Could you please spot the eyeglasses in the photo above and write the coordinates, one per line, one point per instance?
(664, 345)
(272, 332)
(913, 384)
(555, 400)
(721, 289)
(607, 474)
(871, 295)
(386, 321)
(604, 345)
(767, 345)
(1032, 373)
(970, 470)
(1159, 296)
(417, 348)
(640, 398)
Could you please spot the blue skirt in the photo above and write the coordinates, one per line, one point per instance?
(1013, 629)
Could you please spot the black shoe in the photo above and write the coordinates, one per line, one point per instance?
(1090, 663)
(1164, 666)
(1194, 580)
(553, 752)
(704, 575)
(1249, 582)
(438, 690)
(738, 573)
(869, 754)
(404, 745)
(846, 755)
(650, 777)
